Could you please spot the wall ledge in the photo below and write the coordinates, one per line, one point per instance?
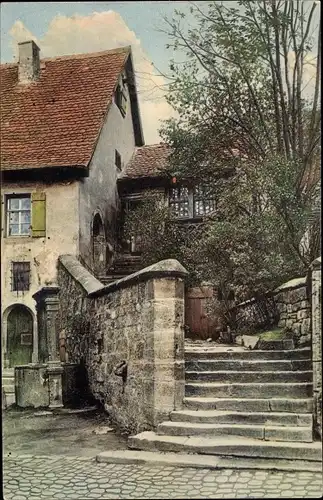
(165, 268)
(316, 264)
(88, 282)
(294, 283)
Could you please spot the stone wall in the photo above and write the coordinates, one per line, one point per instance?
(316, 311)
(287, 307)
(130, 336)
(294, 308)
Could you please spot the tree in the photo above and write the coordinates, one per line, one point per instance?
(248, 125)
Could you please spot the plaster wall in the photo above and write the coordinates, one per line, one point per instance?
(98, 192)
(62, 231)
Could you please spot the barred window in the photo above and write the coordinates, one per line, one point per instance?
(179, 201)
(20, 279)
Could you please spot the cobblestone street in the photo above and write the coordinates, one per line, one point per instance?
(28, 477)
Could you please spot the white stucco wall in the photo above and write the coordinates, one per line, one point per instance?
(98, 192)
(62, 231)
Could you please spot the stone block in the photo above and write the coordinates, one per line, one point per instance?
(281, 307)
(164, 288)
(297, 295)
(31, 384)
(305, 326)
(250, 341)
(302, 314)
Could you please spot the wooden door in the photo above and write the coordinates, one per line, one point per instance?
(200, 323)
(20, 336)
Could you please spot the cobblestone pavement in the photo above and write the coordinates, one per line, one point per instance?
(65, 477)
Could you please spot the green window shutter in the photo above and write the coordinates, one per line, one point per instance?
(38, 215)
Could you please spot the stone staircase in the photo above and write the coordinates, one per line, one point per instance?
(124, 265)
(241, 403)
(8, 386)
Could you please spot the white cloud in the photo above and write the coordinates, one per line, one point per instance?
(103, 31)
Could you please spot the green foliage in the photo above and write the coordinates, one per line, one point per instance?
(247, 124)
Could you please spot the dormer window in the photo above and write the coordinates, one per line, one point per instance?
(121, 98)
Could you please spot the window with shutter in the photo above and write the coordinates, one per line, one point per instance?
(18, 215)
(38, 215)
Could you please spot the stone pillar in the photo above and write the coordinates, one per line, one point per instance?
(316, 312)
(168, 346)
(47, 308)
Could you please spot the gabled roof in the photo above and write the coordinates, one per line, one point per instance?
(56, 121)
(147, 162)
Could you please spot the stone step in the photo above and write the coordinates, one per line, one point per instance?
(9, 388)
(8, 372)
(268, 365)
(252, 390)
(231, 417)
(154, 458)
(8, 399)
(252, 376)
(213, 353)
(263, 432)
(227, 446)
(8, 380)
(251, 404)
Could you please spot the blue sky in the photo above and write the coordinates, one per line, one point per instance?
(141, 17)
(61, 28)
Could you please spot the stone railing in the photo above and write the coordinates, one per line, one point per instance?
(130, 335)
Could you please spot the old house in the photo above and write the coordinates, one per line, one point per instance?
(148, 170)
(68, 127)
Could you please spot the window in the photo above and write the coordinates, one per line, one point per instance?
(121, 99)
(118, 160)
(26, 215)
(20, 276)
(179, 201)
(204, 201)
(18, 215)
(191, 202)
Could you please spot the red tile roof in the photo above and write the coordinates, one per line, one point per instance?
(56, 120)
(147, 161)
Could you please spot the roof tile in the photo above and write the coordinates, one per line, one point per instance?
(147, 161)
(56, 120)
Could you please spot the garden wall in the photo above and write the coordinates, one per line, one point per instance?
(130, 337)
(288, 306)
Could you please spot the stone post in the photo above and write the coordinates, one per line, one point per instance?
(316, 312)
(47, 307)
(168, 341)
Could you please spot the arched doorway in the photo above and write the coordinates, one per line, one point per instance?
(19, 336)
(99, 245)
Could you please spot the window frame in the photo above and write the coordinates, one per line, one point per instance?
(9, 211)
(15, 281)
(192, 198)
